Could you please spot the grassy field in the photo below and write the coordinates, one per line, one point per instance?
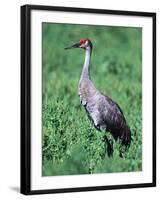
(71, 144)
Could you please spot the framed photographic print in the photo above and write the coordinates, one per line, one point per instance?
(88, 99)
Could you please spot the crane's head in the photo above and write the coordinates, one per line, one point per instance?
(83, 43)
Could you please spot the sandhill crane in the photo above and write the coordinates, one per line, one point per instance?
(105, 114)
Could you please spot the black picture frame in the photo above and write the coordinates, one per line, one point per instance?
(26, 98)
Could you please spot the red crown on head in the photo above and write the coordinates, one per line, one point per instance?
(83, 40)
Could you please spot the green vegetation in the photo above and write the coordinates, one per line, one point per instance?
(71, 144)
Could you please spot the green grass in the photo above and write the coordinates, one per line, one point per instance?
(71, 144)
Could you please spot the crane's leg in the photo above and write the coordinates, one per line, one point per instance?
(109, 146)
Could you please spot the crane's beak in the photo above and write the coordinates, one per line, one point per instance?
(76, 45)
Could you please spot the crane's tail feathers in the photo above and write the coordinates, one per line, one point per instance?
(126, 137)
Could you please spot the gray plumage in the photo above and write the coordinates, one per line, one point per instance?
(105, 114)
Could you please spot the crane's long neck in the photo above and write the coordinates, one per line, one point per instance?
(86, 66)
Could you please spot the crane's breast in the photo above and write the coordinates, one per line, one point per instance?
(87, 92)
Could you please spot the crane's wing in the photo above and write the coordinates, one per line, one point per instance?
(114, 119)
